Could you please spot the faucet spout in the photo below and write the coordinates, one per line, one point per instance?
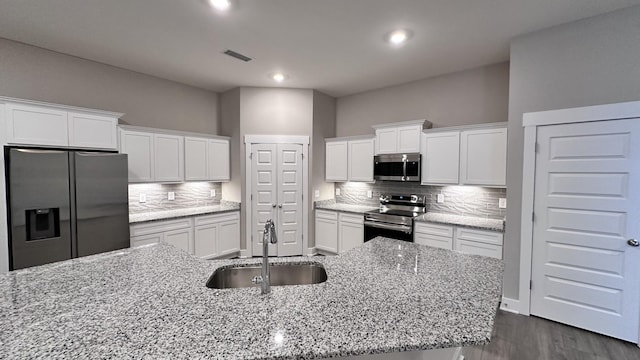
(269, 237)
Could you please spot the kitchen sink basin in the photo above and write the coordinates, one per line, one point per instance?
(228, 277)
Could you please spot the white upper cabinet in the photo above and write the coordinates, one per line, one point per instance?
(139, 148)
(336, 160)
(440, 157)
(218, 160)
(349, 159)
(157, 155)
(168, 157)
(35, 123)
(195, 158)
(483, 157)
(92, 131)
(207, 159)
(361, 160)
(403, 137)
(465, 155)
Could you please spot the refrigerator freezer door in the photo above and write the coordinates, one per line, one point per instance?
(38, 187)
(101, 199)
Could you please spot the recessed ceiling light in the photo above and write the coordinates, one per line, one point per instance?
(221, 5)
(278, 77)
(399, 37)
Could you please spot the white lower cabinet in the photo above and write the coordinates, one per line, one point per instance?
(440, 236)
(178, 233)
(350, 231)
(451, 237)
(205, 236)
(327, 231)
(217, 235)
(479, 242)
(338, 232)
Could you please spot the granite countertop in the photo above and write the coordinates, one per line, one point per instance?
(178, 213)
(151, 302)
(467, 221)
(351, 208)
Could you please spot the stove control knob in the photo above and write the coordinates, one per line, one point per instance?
(414, 198)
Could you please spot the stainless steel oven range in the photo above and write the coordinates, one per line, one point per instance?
(394, 218)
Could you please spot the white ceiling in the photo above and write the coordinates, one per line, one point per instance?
(335, 46)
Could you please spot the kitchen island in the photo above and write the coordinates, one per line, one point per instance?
(151, 302)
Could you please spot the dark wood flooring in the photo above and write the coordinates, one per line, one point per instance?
(518, 337)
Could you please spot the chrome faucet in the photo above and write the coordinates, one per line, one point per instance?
(269, 236)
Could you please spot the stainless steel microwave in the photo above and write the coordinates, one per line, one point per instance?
(397, 167)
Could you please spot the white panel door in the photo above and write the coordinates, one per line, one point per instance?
(195, 159)
(361, 160)
(336, 161)
(290, 206)
(264, 193)
(587, 182)
(218, 158)
(440, 158)
(169, 157)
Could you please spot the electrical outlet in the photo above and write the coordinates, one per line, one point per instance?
(171, 196)
(212, 193)
(440, 198)
(316, 193)
(502, 203)
(369, 194)
(143, 198)
(338, 191)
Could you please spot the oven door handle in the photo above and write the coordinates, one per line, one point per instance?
(402, 228)
(404, 167)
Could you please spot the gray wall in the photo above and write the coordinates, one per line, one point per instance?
(324, 126)
(230, 126)
(34, 73)
(468, 97)
(588, 62)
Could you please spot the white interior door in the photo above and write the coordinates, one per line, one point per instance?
(264, 194)
(587, 207)
(289, 216)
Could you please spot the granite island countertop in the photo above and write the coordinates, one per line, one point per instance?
(183, 212)
(151, 302)
(467, 221)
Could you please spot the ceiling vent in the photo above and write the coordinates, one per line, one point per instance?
(237, 55)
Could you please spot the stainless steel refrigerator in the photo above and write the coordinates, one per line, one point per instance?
(64, 204)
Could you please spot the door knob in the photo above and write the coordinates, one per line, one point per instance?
(280, 206)
(273, 205)
(633, 242)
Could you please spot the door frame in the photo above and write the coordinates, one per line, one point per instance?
(530, 122)
(249, 141)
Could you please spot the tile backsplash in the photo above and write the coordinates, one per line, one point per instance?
(190, 194)
(459, 200)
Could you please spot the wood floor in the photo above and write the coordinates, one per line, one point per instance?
(518, 337)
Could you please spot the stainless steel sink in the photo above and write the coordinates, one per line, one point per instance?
(281, 274)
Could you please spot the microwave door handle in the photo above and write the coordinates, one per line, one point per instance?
(404, 168)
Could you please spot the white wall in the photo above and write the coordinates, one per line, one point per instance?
(588, 62)
(467, 97)
(34, 73)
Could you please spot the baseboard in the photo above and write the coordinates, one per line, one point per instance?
(510, 305)
(245, 253)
